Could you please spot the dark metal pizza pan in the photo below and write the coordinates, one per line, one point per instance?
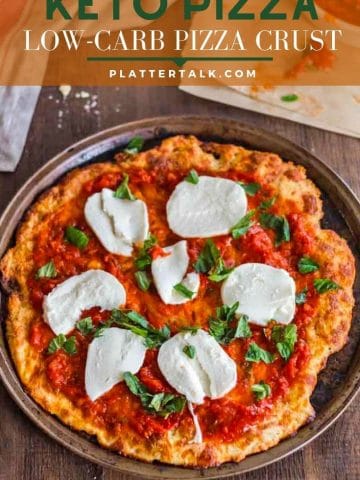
(338, 383)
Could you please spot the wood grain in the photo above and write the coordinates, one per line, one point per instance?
(25, 452)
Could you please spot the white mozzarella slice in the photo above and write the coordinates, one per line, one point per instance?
(117, 223)
(211, 373)
(170, 270)
(264, 293)
(102, 226)
(208, 209)
(94, 288)
(130, 217)
(117, 351)
(198, 437)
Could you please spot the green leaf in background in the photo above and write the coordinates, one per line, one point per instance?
(192, 177)
(76, 237)
(277, 223)
(185, 292)
(190, 351)
(123, 191)
(256, 354)
(135, 146)
(292, 97)
(47, 271)
(301, 297)
(261, 390)
(307, 265)
(243, 225)
(251, 189)
(143, 280)
(323, 285)
(162, 404)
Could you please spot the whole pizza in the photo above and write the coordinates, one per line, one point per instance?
(178, 303)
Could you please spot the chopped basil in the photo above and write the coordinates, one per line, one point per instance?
(210, 262)
(85, 326)
(208, 257)
(285, 339)
(250, 188)
(261, 390)
(143, 280)
(292, 97)
(190, 351)
(99, 332)
(76, 237)
(61, 342)
(257, 354)
(225, 327)
(143, 259)
(184, 291)
(162, 404)
(301, 297)
(192, 177)
(266, 204)
(47, 271)
(277, 223)
(323, 285)
(139, 325)
(307, 265)
(123, 191)
(243, 225)
(134, 146)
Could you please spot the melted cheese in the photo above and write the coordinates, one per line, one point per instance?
(94, 288)
(264, 293)
(208, 209)
(170, 270)
(117, 223)
(198, 437)
(117, 351)
(211, 373)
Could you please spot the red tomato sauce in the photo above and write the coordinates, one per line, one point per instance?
(226, 418)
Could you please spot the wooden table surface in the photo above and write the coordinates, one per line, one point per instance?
(28, 454)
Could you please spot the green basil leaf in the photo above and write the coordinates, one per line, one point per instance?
(143, 280)
(250, 188)
(47, 271)
(208, 257)
(292, 97)
(280, 226)
(243, 225)
(301, 297)
(190, 351)
(135, 145)
(85, 326)
(261, 390)
(70, 346)
(307, 265)
(190, 329)
(192, 177)
(323, 285)
(266, 204)
(61, 342)
(285, 338)
(242, 329)
(76, 237)
(56, 343)
(162, 404)
(123, 191)
(257, 354)
(143, 260)
(184, 291)
(219, 272)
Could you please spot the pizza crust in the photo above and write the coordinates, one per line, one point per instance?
(325, 334)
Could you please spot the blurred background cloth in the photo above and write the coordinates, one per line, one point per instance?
(17, 105)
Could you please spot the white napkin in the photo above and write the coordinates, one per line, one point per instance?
(336, 109)
(17, 105)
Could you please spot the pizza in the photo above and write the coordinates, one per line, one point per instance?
(178, 303)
